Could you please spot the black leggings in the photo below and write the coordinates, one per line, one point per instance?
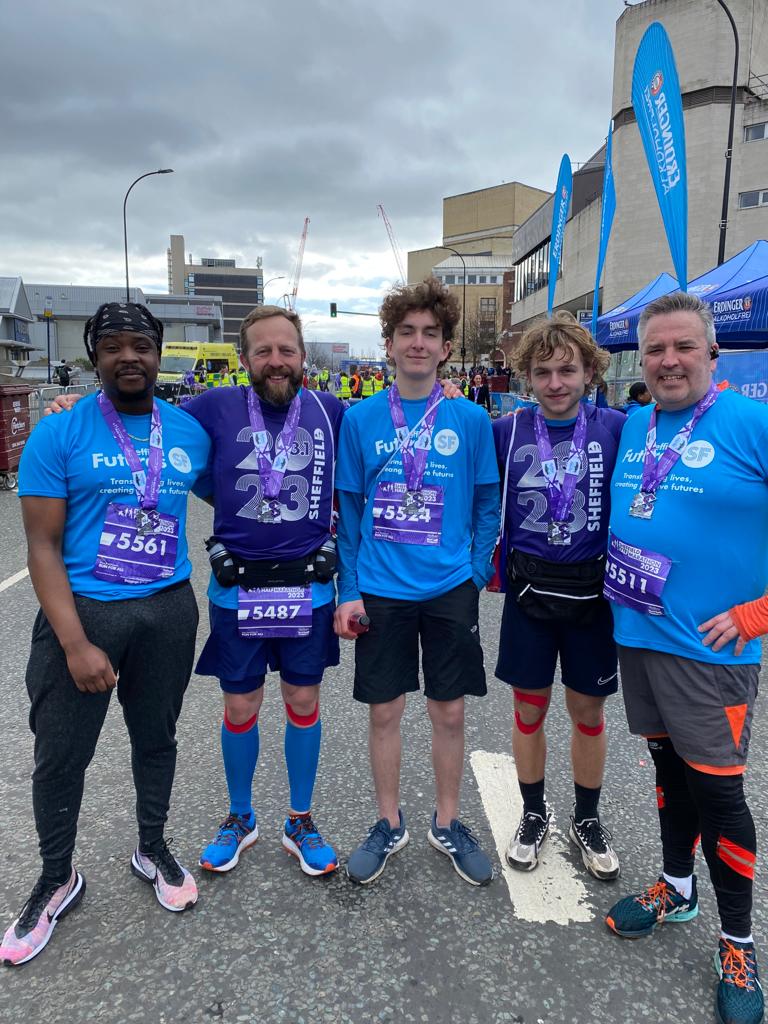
(693, 803)
(150, 643)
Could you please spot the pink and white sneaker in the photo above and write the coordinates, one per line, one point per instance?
(175, 888)
(30, 932)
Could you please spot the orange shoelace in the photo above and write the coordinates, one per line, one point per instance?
(656, 896)
(737, 969)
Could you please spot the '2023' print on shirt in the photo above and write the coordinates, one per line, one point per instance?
(299, 497)
(587, 508)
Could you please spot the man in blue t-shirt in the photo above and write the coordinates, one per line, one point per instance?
(418, 495)
(104, 496)
(557, 461)
(273, 559)
(688, 544)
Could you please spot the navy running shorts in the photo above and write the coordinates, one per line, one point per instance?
(241, 664)
(705, 708)
(529, 649)
(387, 656)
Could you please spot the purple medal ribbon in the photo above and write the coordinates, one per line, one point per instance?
(654, 473)
(146, 484)
(414, 449)
(272, 471)
(560, 496)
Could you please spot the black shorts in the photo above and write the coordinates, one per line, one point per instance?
(529, 648)
(387, 656)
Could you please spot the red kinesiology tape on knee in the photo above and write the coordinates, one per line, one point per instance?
(590, 730)
(303, 721)
(529, 728)
(242, 727)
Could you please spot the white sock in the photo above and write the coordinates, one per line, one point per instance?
(735, 938)
(683, 885)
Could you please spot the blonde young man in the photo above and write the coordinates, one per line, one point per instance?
(556, 460)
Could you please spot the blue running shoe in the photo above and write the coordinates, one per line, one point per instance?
(236, 833)
(635, 916)
(370, 858)
(302, 840)
(457, 842)
(739, 993)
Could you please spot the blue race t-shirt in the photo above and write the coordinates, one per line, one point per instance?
(462, 456)
(527, 511)
(74, 456)
(306, 496)
(710, 519)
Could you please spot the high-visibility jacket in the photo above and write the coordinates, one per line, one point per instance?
(325, 375)
(242, 376)
(366, 387)
(345, 391)
(354, 383)
(378, 383)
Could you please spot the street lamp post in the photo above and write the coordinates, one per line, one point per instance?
(280, 277)
(163, 170)
(48, 313)
(729, 150)
(463, 307)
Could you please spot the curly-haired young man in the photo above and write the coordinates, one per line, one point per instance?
(418, 494)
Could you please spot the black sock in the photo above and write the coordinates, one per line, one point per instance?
(533, 797)
(586, 801)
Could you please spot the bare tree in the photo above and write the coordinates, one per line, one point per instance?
(316, 354)
(482, 332)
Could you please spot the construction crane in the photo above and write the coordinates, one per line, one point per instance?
(392, 242)
(290, 298)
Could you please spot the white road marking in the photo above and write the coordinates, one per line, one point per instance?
(16, 578)
(553, 892)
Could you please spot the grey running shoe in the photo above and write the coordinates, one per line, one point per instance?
(523, 851)
(594, 843)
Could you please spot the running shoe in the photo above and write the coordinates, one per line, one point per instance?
(457, 842)
(236, 833)
(370, 858)
(175, 888)
(635, 916)
(739, 993)
(47, 904)
(302, 840)
(523, 850)
(594, 842)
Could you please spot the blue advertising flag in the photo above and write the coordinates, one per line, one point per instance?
(606, 221)
(659, 111)
(559, 213)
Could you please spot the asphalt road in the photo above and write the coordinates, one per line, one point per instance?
(266, 943)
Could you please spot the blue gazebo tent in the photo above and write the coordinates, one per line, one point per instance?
(737, 291)
(617, 329)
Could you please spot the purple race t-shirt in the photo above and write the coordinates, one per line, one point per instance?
(306, 496)
(528, 515)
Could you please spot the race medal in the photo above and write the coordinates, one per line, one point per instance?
(147, 521)
(558, 534)
(269, 511)
(274, 612)
(399, 523)
(128, 555)
(635, 577)
(642, 504)
(413, 501)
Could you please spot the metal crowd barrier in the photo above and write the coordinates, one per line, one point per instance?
(41, 396)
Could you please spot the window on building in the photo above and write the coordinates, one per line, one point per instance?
(532, 273)
(756, 132)
(450, 279)
(471, 278)
(748, 200)
(481, 279)
(487, 309)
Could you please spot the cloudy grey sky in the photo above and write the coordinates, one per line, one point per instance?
(272, 112)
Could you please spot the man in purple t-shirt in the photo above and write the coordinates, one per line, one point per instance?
(271, 592)
(556, 462)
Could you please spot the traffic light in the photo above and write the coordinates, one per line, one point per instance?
(333, 309)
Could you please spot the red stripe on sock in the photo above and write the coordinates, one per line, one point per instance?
(244, 727)
(590, 730)
(303, 721)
